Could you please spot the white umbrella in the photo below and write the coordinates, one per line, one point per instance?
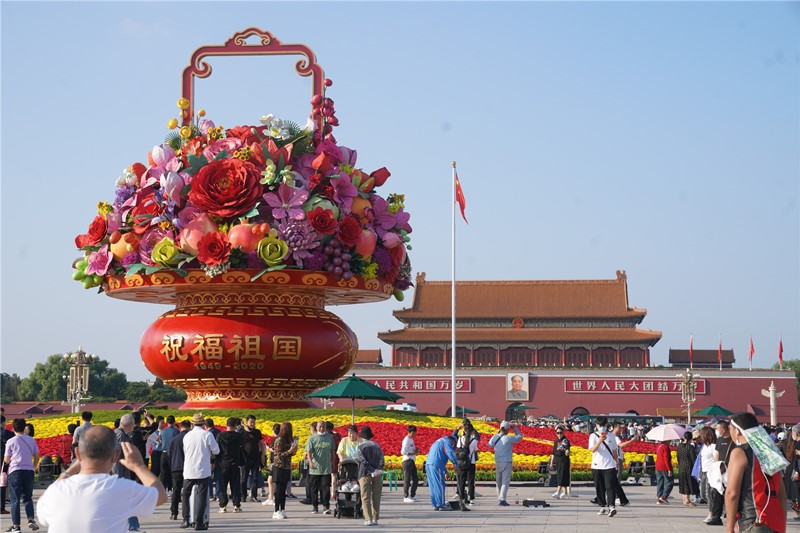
(666, 432)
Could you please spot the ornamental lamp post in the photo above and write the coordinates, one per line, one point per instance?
(688, 390)
(78, 378)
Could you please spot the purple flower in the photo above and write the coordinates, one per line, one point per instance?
(384, 220)
(205, 125)
(300, 238)
(99, 261)
(287, 202)
(253, 261)
(164, 161)
(402, 220)
(384, 260)
(151, 237)
(130, 258)
(316, 261)
(348, 156)
(344, 191)
(303, 165)
(123, 194)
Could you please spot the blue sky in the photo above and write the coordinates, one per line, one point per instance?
(658, 138)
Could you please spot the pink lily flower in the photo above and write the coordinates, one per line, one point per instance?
(287, 202)
(99, 261)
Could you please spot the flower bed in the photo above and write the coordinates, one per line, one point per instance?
(389, 430)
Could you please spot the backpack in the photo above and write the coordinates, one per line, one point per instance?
(462, 457)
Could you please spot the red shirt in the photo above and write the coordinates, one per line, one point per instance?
(663, 458)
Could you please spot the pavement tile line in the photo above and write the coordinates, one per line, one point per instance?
(563, 516)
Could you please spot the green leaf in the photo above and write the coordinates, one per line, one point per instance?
(276, 267)
(185, 190)
(253, 212)
(154, 268)
(259, 274)
(222, 155)
(195, 163)
(179, 271)
(135, 268)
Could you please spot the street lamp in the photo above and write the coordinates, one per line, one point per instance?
(78, 378)
(688, 390)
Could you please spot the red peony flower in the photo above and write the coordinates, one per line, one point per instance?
(214, 248)
(245, 133)
(226, 188)
(322, 220)
(349, 230)
(96, 233)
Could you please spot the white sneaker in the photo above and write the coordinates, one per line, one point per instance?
(408, 500)
(602, 511)
(374, 522)
(612, 512)
(557, 495)
(223, 510)
(367, 522)
(283, 513)
(269, 501)
(276, 515)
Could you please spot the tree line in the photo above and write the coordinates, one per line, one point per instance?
(46, 384)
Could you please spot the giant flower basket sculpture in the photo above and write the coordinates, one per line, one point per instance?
(249, 231)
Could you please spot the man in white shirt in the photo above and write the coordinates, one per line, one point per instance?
(410, 475)
(87, 498)
(603, 446)
(198, 447)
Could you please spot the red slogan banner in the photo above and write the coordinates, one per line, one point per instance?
(634, 386)
(422, 385)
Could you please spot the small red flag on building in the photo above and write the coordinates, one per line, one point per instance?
(780, 352)
(752, 352)
(719, 352)
(462, 202)
(691, 353)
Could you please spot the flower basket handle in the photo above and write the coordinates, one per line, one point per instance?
(237, 46)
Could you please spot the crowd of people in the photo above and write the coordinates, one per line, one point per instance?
(735, 469)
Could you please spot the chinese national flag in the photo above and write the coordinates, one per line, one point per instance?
(462, 202)
(691, 352)
(719, 351)
(780, 351)
(752, 349)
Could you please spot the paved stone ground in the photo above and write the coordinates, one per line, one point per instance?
(642, 515)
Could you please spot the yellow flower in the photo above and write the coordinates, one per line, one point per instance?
(173, 123)
(201, 113)
(104, 208)
(165, 253)
(183, 103)
(272, 250)
(186, 132)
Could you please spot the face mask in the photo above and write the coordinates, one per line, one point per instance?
(717, 433)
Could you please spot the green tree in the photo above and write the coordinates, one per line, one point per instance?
(791, 364)
(9, 387)
(137, 391)
(46, 381)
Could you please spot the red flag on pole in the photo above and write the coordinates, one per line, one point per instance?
(691, 353)
(462, 202)
(719, 352)
(780, 352)
(752, 349)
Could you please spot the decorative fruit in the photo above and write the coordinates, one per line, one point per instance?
(366, 243)
(247, 236)
(358, 208)
(124, 244)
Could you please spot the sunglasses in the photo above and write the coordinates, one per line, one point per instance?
(559, 432)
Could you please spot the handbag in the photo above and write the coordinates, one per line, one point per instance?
(697, 468)
(3, 479)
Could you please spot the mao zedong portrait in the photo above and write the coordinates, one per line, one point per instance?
(519, 387)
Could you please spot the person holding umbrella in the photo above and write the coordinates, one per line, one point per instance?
(664, 473)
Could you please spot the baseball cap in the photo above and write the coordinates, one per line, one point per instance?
(504, 424)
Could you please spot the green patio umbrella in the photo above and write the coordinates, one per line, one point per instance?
(714, 410)
(355, 388)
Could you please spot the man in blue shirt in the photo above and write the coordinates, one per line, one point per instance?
(503, 444)
(436, 468)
